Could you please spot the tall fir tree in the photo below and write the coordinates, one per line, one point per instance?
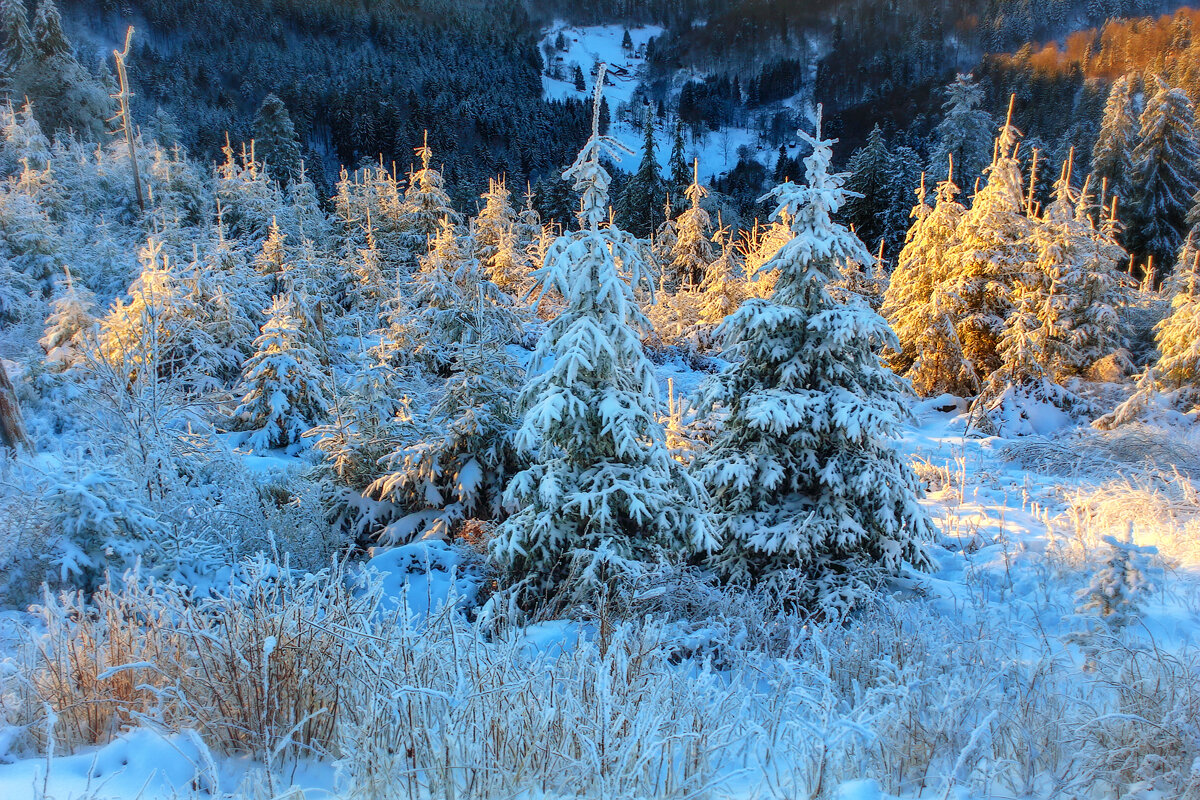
(692, 251)
(966, 131)
(1166, 172)
(495, 219)
(64, 94)
(640, 207)
(1112, 155)
(1077, 285)
(16, 49)
(812, 499)
(880, 178)
(917, 305)
(991, 252)
(426, 202)
(681, 172)
(275, 139)
(603, 495)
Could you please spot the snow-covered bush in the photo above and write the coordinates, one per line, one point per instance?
(1116, 590)
(96, 524)
(283, 387)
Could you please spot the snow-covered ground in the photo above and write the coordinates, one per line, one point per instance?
(587, 47)
(980, 661)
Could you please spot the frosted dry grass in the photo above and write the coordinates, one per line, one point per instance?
(1164, 511)
(1134, 449)
(922, 702)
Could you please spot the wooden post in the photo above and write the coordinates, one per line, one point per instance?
(122, 97)
(12, 426)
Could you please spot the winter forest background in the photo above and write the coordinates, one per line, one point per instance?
(679, 398)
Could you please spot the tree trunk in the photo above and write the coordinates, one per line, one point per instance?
(12, 427)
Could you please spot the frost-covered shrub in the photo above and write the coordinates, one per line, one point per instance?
(258, 665)
(96, 524)
(283, 388)
(1146, 740)
(224, 514)
(1116, 589)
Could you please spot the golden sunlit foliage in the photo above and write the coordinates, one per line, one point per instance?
(1166, 45)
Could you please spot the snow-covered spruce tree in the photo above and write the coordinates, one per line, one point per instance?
(1178, 336)
(966, 131)
(455, 465)
(283, 388)
(159, 328)
(640, 207)
(1112, 156)
(16, 49)
(226, 277)
(248, 198)
(431, 321)
(426, 203)
(275, 139)
(22, 139)
(71, 317)
(682, 175)
(1166, 172)
(1015, 393)
(496, 235)
(885, 176)
(723, 288)
(692, 251)
(32, 241)
(603, 495)
(918, 307)
(813, 500)
(496, 217)
(271, 260)
(1078, 286)
(363, 271)
(1113, 598)
(177, 189)
(228, 310)
(99, 524)
(529, 222)
(311, 221)
(510, 267)
(991, 252)
(19, 299)
(369, 408)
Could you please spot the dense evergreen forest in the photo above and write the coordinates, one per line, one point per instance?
(363, 81)
(359, 80)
